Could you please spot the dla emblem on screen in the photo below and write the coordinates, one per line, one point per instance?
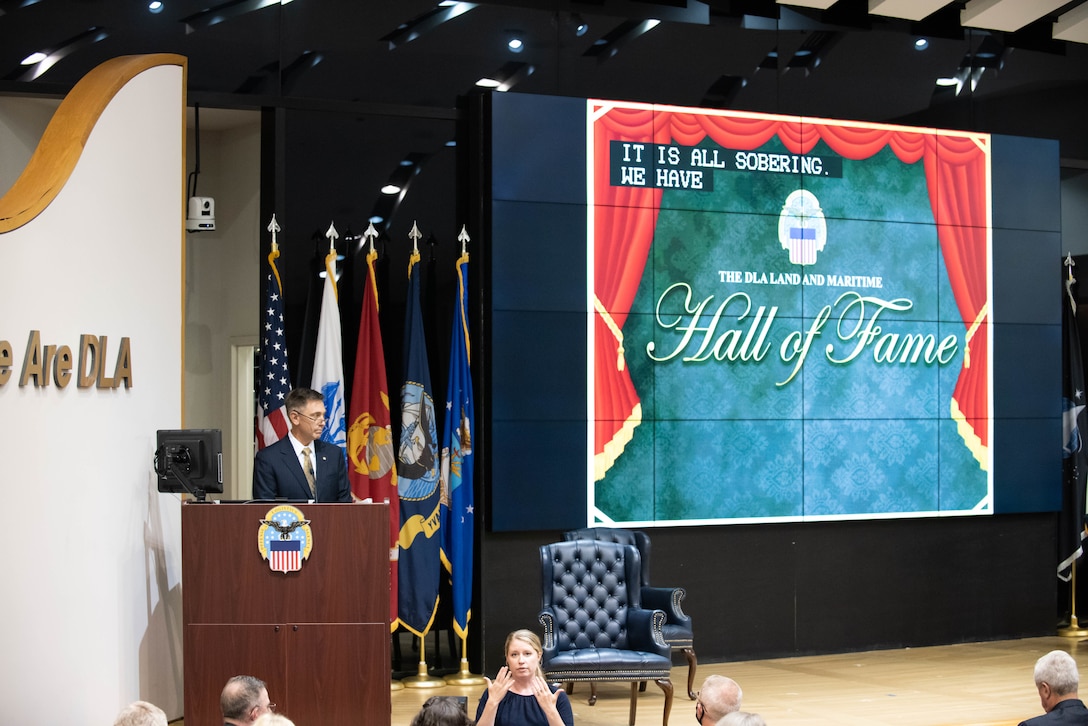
(789, 318)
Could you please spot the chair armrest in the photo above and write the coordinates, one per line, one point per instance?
(549, 643)
(667, 599)
(644, 631)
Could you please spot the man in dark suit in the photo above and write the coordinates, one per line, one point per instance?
(1057, 679)
(300, 465)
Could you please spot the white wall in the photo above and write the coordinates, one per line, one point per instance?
(91, 600)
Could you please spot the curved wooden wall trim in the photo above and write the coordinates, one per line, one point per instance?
(62, 143)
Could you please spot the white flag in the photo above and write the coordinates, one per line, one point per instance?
(328, 377)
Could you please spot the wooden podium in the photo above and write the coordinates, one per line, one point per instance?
(318, 637)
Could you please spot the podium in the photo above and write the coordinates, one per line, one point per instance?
(318, 637)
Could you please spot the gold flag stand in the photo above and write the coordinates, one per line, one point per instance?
(422, 679)
(463, 677)
(1073, 630)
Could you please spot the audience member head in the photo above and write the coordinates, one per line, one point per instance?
(718, 696)
(273, 719)
(442, 711)
(742, 718)
(524, 637)
(244, 699)
(1056, 677)
(141, 713)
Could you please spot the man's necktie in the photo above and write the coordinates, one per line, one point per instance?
(308, 468)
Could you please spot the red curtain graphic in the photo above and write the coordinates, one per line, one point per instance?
(956, 167)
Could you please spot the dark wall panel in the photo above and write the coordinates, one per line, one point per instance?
(798, 589)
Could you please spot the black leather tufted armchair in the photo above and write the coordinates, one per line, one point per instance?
(594, 627)
(677, 630)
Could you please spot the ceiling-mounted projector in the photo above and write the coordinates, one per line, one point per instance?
(201, 216)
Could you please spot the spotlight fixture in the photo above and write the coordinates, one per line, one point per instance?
(811, 53)
(515, 42)
(36, 64)
(581, 27)
(396, 187)
(611, 44)
(921, 43)
(412, 29)
(507, 76)
(155, 7)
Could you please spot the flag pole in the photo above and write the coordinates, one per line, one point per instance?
(464, 677)
(422, 679)
(1073, 630)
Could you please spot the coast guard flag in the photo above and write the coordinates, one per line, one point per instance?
(275, 379)
(417, 475)
(328, 376)
(1074, 468)
(457, 460)
(371, 459)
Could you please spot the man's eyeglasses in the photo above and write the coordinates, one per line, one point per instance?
(700, 709)
(316, 419)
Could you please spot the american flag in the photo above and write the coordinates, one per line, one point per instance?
(275, 379)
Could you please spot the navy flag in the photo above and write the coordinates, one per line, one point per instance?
(419, 567)
(458, 511)
(1074, 465)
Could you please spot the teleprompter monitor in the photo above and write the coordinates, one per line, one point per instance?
(189, 461)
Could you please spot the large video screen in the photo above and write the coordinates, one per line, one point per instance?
(713, 317)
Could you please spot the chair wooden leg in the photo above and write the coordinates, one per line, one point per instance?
(666, 686)
(592, 694)
(569, 688)
(642, 687)
(689, 653)
(634, 704)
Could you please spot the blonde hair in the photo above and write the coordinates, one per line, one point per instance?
(273, 719)
(526, 636)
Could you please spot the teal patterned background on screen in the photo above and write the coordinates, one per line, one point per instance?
(740, 433)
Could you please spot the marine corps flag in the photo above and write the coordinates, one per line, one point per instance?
(1074, 465)
(371, 462)
(417, 471)
(457, 460)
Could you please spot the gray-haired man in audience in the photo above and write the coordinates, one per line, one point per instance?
(1057, 679)
(718, 696)
(141, 713)
(243, 700)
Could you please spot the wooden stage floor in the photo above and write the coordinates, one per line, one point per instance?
(971, 684)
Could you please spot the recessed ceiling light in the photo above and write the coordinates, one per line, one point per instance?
(947, 81)
(376, 219)
(516, 44)
(155, 6)
(488, 83)
(32, 59)
(921, 44)
(390, 189)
